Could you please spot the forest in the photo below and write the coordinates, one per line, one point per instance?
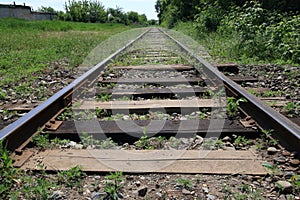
(264, 30)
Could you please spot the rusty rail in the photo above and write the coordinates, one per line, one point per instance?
(286, 131)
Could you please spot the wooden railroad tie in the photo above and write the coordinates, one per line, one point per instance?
(148, 161)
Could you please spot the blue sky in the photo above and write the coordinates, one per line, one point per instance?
(140, 6)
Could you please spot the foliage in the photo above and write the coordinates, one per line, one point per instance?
(245, 192)
(67, 114)
(60, 142)
(209, 17)
(219, 143)
(274, 169)
(3, 95)
(209, 144)
(88, 140)
(114, 185)
(295, 180)
(15, 184)
(93, 11)
(144, 141)
(108, 143)
(172, 12)
(186, 10)
(46, 9)
(7, 172)
(187, 28)
(264, 34)
(133, 17)
(292, 109)
(267, 136)
(186, 183)
(116, 15)
(41, 141)
(239, 31)
(71, 177)
(103, 97)
(36, 188)
(241, 141)
(174, 142)
(232, 106)
(85, 11)
(148, 143)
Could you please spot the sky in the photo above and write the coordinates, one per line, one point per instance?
(140, 6)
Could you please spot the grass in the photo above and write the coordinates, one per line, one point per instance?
(71, 177)
(241, 141)
(41, 141)
(7, 172)
(18, 184)
(185, 183)
(244, 192)
(114, 184)
(30, 48)
(292, 109)
(222, 46)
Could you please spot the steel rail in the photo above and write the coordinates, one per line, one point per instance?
(286, 131)
(20, 131)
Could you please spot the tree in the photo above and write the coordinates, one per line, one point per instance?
(46, 9)
(97, 12)
(142, 19)
(93, 11)
(160, 7)
(117, 16)
(133, 17)
(152, 22)
(172, 11)
(85, 11)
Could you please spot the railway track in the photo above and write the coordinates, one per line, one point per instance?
(160, 108)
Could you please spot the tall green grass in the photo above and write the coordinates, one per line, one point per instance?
(229, 46)
(56, 25)
(221, 47)
(28, 47)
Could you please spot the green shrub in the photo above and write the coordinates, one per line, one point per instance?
(263, 34)
(209, 18)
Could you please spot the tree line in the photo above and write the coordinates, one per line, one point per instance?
(172, 11)
(94, 11)
(262, 29)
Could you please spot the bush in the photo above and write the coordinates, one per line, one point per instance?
(209, 18)
(283, 39)
(264, 35)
